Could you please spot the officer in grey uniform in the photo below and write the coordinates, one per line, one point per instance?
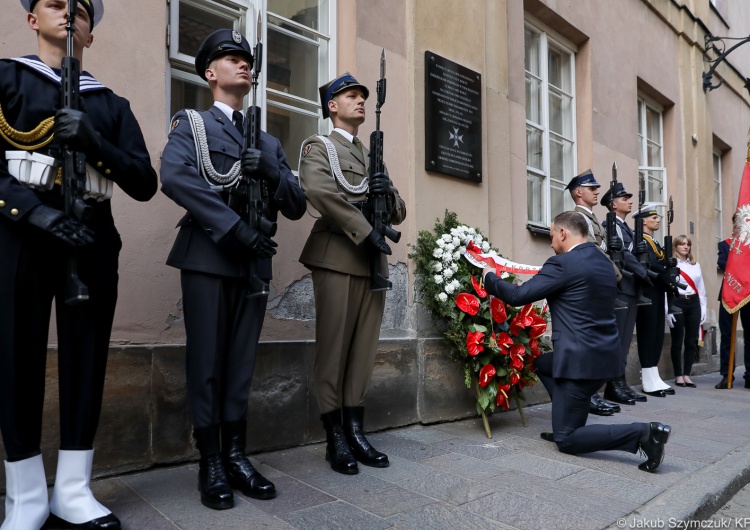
(333, 173)
(213, 249)
(584, 189)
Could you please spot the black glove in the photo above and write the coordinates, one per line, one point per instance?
(376, 240)
(260, 244)
(74, 128)
(641, 248)
(671, 263)
(60, 225)
(616, 244)
(380, 184)
(256, 167)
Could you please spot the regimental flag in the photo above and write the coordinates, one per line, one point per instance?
(735, 292)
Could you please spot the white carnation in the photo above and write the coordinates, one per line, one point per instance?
(440, 243)
(456, 256)
(438, 279)
(449, 288)
(454, 267)
(438, 252)
(456, 284)
(485, 246)
(449, 247)
(437, 266)
(446, 238)
(442, 297)
(504, 275)
(456, 241)
(448, 273)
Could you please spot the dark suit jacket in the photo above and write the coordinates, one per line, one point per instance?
(721, 262)
(580, 289)
(203, 243)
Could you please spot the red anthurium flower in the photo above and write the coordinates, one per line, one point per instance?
(525, 316)
(504, 342)
(468, 303)
(514, 378)
(486, 374)
(516, 356)
(535, 350)
(474, 342)
(478, 288)
(502, 396)
(497, 307)
(515, 326)
(538, 327)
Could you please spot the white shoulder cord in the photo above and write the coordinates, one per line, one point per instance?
(333, 159)
(208, 172)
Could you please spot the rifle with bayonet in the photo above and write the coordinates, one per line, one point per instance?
(673, 271)
(74, 162)
(614, 243)
(378, 207)
(255, 192)
(640, 250)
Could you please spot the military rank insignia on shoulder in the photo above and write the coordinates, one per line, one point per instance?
(306, 149)
(175, 123)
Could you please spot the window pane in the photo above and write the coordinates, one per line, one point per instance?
(291, 128)
(196, 24)
(654, 155)
(560, 113)
(654, 187)
(558, 198)
(535, 198)
(531, 42)
(653, 125)
(292, 65)
(560, 159)
(533, 99)
(187, 95)
(558, 67)
(534, 147)
(306, 12)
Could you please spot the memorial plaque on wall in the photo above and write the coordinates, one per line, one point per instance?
(453, 118)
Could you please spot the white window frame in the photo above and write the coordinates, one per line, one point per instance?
(245, 13)
(644, 103)
(544, 173)
(718, 204)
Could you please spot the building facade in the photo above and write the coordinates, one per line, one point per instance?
(565, 87)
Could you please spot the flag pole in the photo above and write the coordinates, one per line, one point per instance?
(730, 366)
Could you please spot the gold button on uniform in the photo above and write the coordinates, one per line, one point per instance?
(2, 204)
(107, 171)
(99, 164)
(14, 211)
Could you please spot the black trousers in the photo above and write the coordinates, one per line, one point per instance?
(33, 272)
(625, 326)
(685, 330)
(649, 323)
(222, 329)
(570, 410)
(725, 328)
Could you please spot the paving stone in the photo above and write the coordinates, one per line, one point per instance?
(613, 485)
(399, 470)
(335, 516)
(536, 465)
(523, 512)
(448, 488)
(420, 433)
(405, 448)
(291, 495)
(132, 510)
(464, 466)
(480, 450)
(442, 517)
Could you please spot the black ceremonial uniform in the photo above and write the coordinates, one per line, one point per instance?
(33, 263)
(650, 318)
(222, 326)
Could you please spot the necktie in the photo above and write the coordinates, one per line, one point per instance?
(237, 118)
(358, 145)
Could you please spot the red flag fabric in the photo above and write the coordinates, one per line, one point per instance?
(736, 290)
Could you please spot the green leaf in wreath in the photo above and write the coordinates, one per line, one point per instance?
(479, 327)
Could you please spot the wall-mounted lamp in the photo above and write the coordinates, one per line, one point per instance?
(709, 44)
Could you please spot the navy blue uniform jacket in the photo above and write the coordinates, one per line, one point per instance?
(580, 288)
(203, 243)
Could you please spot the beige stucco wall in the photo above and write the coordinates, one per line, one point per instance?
(623, 48)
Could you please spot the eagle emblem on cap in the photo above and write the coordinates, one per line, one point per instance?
(236, 37)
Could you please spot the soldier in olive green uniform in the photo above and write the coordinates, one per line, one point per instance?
(333, 173)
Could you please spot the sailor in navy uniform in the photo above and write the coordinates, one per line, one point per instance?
(213, 249)
(36, 238)
(617, 389)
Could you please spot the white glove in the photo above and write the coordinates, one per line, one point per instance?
(670, 320)
(703, 317)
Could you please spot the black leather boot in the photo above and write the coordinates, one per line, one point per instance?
(602, 408)
(614, 391)
(338, 452)
(632, 394)
(241, 473)
(652, 444)
(361, 448)
(212, 478)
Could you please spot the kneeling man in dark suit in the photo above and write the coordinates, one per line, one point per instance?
(581, 288)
